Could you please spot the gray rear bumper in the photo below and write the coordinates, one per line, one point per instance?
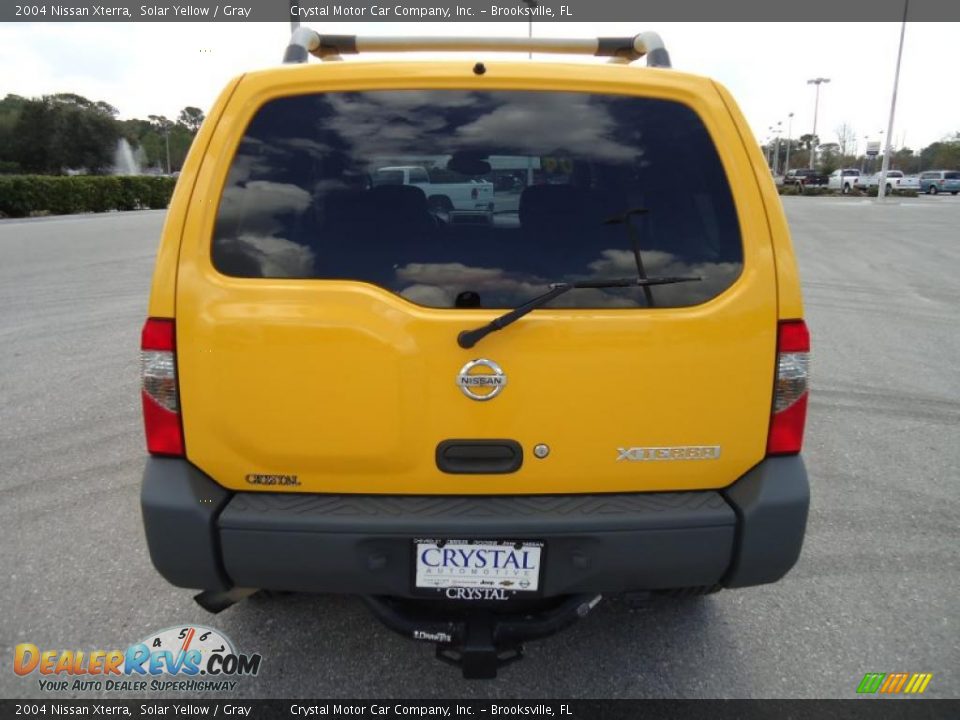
(205, 537)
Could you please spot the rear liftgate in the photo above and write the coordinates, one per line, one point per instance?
(477, 638)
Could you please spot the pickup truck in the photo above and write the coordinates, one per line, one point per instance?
(896, 180)
(804, 176)
(843, 180)
(462, 201)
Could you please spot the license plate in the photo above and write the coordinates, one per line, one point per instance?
(491, 564)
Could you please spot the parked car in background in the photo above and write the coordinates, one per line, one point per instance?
(938, 181)
(462, 199)
(910, 182)
(805, 176)
(843, 180)
(896, 180)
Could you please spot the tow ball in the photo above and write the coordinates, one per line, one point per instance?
(480, 641)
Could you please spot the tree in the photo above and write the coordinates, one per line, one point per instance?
(191, 118)
(904, 159)
(35, 133)
(830, 158)
(87, 133)
(10, 108)
(943, 154)
(846, 139)
(163, 125)
(54, 133)
(63, 131)
(808, 141)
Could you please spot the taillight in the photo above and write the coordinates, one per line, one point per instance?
(161, 401)
(790, 392)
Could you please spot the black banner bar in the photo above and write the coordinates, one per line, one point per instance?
(874, 709)
(320, 11)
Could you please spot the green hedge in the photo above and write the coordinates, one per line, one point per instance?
(821, 190)
(26, 195)
(810, 190)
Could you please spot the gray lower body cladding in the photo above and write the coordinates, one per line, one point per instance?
(203, 536)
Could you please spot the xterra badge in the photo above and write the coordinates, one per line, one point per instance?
(685, 452)
(481, 379)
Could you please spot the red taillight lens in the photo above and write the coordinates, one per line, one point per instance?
(790, 392)
(161, 401)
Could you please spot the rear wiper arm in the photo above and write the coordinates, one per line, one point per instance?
(469, 338)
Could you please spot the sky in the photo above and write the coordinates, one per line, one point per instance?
(159, 68)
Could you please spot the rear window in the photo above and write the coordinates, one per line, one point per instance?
(385, 176)
(951, 176)
(515, 190)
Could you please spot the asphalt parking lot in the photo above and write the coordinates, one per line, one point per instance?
(877, 588)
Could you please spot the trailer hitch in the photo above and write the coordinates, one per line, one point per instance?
(479, 641)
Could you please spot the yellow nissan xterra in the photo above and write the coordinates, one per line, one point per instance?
(480, 419)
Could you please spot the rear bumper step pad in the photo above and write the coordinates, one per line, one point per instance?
(203, 536)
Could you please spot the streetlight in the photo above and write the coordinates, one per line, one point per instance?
(882, 188)
(816, 106)
(786, 164)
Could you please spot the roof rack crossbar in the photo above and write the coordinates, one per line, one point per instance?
(306, 42)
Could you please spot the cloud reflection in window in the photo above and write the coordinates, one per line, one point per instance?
(438, 284)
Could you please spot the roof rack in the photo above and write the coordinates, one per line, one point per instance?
(305, 41)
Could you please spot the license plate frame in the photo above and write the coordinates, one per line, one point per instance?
(519, 570)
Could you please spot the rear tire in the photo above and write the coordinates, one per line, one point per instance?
(933, 190)
(954, 192)
(846, 188)
(888, 188)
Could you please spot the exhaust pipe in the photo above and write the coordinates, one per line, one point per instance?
(215, 601)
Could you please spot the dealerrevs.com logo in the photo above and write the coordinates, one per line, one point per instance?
(184, 658)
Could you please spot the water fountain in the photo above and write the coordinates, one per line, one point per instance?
(124, 160)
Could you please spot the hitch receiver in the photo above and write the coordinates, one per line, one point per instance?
(481, 641)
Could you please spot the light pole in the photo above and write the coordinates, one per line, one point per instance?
(531, 4)
(776, 152)
(294, 20)
(166, 134)
(786, 164)
(816, 107)
(882, 188)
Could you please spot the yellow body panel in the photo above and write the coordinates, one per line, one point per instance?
(351, 387)
(789, 296)
(164, 288)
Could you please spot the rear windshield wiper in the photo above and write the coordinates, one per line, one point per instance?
(469, 338)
